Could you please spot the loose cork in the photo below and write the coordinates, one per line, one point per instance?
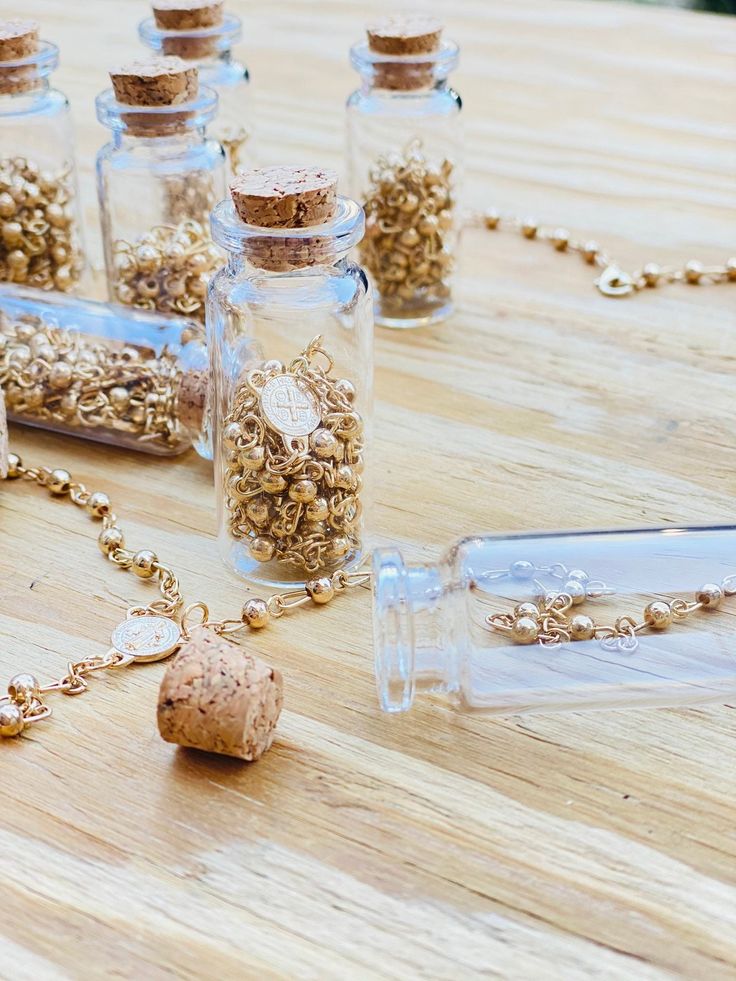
(161, 82)
(404, 35)
(187, 15)
(3, 437)
(217, 698)
(18, 39)
(191, 400)
(285, 197)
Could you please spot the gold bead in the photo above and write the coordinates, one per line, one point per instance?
(60, 375)
(340, 546)
(525, 630)
(303, 491)
(255, 613)
(59, 481)
(658, 614)
(11, 720)
(561, 239)
(253, 458)
(258, 512)
(23, 689)
(98, 504)
(346, 389)
(323, 443)
(318, 509)
(345, 477)
(731, 268)
(110, 539)
(144, 563)
(529, 228)
(582, 627)
(693, 271)
(262, 548)
(527, 610)
(521, 569)
(575, 590)
(320, 590)
(709, 595)
(651, 273)
(14, 466)
(273, 483)
(491, 219)
(590, 252)
(410, 237)
(231, 435)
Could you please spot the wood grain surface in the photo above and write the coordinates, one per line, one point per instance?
(430, 846)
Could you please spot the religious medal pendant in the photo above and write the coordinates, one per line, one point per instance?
(144, 637)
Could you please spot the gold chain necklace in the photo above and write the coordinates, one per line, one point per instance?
(149, 633)
(612, 281)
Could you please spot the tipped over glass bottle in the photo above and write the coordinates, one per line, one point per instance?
(405, 165)
(40, 221)
(290, 326)
(157, 181)
(201, 33)
(522, 623)
(104, 372)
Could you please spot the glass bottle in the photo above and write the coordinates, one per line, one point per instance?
(40, 221)
(157, 181)
(104, 372)
(405, 166)
(290, 325)
(581, 620)
(210, 48)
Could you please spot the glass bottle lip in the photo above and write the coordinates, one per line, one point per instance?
(338, 235)
(223, 35)
(41, 63)
(191, 115)
(441, 62)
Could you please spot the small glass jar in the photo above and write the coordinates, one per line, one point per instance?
(405, 166)
(290, 324)
(547, 622)
(157, 181)
(210, 48)
(40, 220)
(104, 372)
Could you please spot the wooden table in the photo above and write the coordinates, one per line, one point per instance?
(429, 846)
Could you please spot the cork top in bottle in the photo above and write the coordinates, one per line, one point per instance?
(19, 43)
(399, 39)
(156, 87)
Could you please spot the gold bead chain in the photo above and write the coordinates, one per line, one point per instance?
(25, 702)
(547, 618)
(612, 281)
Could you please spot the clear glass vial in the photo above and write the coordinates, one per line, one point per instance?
(290, 325)
(40, 221)
(210, 48)
(521, 623)
(157, 181)
(104, 372)
(405, 166)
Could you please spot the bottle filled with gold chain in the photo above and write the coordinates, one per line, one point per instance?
(520, 623)
(405, 161)
(291, 329)
(157, 181)
(104, 371)
(40, 226)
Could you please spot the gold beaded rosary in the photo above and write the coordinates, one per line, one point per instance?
(149, 633)
(547, 619)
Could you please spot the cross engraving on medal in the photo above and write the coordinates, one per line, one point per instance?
(289, 406)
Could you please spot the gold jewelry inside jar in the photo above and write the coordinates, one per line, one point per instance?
(167, 269)
(64, 379)
(409, 209)
(292, 448)
(38, 238)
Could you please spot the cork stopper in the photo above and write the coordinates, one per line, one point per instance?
(285, 197)
(187, 15)
(404, 36)
(3, 437)
(163, 81)
(216, 697)
(191, 400)
(18, 39)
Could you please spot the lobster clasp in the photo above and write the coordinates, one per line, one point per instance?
(615, 282)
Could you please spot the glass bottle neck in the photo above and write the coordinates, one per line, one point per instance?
(123, 139)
